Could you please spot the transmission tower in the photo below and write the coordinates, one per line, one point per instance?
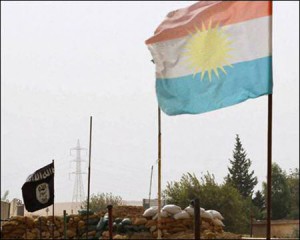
(78, 192)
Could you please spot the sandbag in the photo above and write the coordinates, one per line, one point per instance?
(83, 212)
(150, 212)
(92, 221)
(92, 228)
(181, 215)
(142, 228)
(206, 214)
(130, 228)
(163, 214)
(120, 228)
(102, 224)
(140, 221)
(118, 220)
(190, 210)
(218, 222)
(98, 235)
(150, 223)
(216, 214)
(153, 228)
(172, 209)
(126, 221)
(114, 226)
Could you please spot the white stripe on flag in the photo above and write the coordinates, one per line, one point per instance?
(250, 40)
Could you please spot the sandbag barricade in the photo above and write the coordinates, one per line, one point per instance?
(128, 223)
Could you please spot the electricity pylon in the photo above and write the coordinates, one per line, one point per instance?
(78, 192)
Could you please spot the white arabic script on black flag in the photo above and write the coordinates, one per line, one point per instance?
(38, 190)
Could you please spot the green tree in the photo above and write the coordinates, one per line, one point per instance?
(100, 201)
(259, 200)
(280, 193)
(228, 201)
(239, 175)
(293, 183)
(258, 205)
(182, 192)
(223, 198)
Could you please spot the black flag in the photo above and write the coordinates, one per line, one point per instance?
(38, 190)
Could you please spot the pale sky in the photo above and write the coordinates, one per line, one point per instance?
(63, 62)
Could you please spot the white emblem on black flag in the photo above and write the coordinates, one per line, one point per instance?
(38, 190)
(43, 193)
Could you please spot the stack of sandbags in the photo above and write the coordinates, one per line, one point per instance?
(14, 228)
(30, 228)
(126, 227)
(209, 215)
(76, 225)
(205, 235)
(211, 219)
(89, 226)
(140, 224)
(150, 212)
(217, 219)
(175, 220)
(127, 211)
(169, 210)
(44, 227)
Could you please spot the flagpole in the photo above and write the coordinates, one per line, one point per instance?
(150, 185)
(159, 176)
(269, 167)
(53, 209)
(89, 178)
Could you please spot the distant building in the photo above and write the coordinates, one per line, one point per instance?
(279, 228)
(153, 202)
(4, 211)
(16, 208)
(10, 209)
(132, 203)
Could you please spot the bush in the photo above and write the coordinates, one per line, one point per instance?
(100, 201)
(223, 198)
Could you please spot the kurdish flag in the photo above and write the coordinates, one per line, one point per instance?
(213, 54)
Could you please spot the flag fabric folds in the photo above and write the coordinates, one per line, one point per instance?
(38, 190)
(212, 54)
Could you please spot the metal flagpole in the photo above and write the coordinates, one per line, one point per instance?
(150, 185)
(269, 177)
(65, 224)
(197, 228)
(89, 179)
(53, 210)
(159, 177)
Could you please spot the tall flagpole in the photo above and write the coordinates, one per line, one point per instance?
(53, 208)
(159, 177)
(89, 178)
(150, 185)
(269, 177)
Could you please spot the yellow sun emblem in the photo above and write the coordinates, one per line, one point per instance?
(208, 50)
